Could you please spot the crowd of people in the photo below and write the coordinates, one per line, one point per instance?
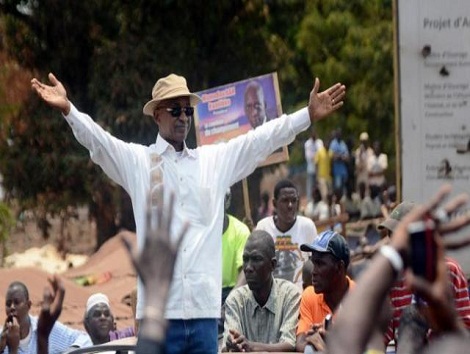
(341, 178)
(283, 287)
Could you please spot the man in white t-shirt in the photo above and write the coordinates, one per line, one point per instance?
(289, 231)
(377, 164)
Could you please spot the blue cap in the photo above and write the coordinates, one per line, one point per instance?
(329, 242)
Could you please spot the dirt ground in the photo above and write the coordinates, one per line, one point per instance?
(31, 259)
(79, 235)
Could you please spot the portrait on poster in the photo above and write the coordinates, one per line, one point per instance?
(231, 110)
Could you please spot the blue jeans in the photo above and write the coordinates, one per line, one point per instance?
(339, 182)
(198, 336)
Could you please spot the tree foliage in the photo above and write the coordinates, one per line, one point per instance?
(352, 41)
(109, 54)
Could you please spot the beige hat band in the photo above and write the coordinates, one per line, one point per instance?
(175, 92)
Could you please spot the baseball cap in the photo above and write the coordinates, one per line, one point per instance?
(396, 215)
(329, 242)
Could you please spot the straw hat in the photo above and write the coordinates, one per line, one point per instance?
(169, 87)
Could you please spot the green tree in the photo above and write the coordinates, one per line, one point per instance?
(6, 223)
(42, 164)
(352, 41)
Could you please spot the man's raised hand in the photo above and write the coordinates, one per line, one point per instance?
(324, 103)
(55, 94)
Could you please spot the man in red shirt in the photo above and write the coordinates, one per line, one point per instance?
(401, 297)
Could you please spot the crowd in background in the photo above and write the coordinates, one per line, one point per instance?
(344, 178)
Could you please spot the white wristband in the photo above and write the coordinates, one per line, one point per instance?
(393, 257)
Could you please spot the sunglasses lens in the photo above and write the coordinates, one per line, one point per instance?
(175, 112)
(189, 111)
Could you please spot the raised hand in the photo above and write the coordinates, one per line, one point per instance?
(13, 335)
(55, 94)
(51, 305)
(324, 103)
(155, 263)
(400, 236)
(440, 309)
(50, 311)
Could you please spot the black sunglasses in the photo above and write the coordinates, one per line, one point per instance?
(176, 111)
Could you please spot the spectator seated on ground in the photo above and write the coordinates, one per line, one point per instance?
(389, 200)
(371, 205)
(351, 205)
(312, 210)
(19, 334)
(99, 321)
(330, 258)
(321, 210)
(262, 315)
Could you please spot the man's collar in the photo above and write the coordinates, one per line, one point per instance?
(270, 304)
(33, 321)
(161, 146)
(276, 221)
(321, 296)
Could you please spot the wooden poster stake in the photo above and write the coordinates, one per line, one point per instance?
(246, 203)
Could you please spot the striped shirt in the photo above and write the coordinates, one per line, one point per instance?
(273, 323)
(60, 339)
(122, 333)
(401, 297)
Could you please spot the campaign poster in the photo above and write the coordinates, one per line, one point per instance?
(233, 109)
